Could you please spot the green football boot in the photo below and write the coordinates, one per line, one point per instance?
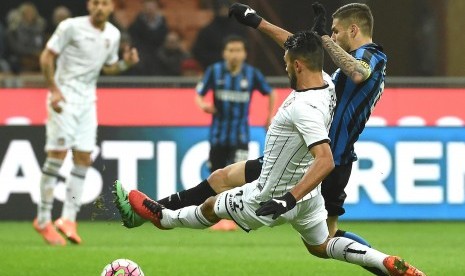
(129, 218)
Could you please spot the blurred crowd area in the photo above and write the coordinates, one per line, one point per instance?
(183, 37)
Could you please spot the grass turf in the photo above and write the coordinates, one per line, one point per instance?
(434, 247)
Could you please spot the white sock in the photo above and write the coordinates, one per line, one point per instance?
(74, 188)
(347, 250)
(48, 181)
(187, 217)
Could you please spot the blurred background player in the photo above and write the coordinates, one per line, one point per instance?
(81, 47)
(232, 82)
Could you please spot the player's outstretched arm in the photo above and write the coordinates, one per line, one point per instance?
(249, 17)
(278, 34)
(351, 67)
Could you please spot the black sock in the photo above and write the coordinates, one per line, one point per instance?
(339, 233)
(193, 196)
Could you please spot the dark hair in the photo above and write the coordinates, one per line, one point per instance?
(234, 38)
(307, 46)
(357, 13)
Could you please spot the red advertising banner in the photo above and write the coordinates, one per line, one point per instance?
(176, 107)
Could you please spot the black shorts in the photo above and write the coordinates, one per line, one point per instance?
(221, 156)
(332, 189)
(253, 168)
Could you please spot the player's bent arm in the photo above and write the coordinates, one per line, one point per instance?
(348, 64)
(47, 65)
(130, 58)
(115, 68)
(202, 104)
(279, 35)
(322, 165)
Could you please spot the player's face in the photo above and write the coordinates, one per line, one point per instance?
(290, 71)
(340, 34)
(99, 10)
(234, 53)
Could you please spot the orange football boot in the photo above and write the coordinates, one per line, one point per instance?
(69, 229)
(49, 233)
(398, 267)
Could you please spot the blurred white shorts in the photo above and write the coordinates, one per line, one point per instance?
(74, 128)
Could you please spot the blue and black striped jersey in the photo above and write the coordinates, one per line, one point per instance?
(231, 95)
(355, 102)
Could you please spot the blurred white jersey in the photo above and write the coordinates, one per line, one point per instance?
(302, 121)
(82, 51)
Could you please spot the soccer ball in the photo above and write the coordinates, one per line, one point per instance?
(122, 267)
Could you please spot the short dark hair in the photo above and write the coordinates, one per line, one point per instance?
(359, 14)
(234, 38)
(306, 45)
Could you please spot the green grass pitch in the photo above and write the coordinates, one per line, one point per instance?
(437, 248)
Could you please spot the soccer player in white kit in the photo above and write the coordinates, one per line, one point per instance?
(81, 47)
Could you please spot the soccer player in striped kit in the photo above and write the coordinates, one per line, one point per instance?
(80, 47)
(232, 82)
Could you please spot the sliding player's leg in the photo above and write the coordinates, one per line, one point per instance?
(310, 223)
(234, 175)
(332, 189)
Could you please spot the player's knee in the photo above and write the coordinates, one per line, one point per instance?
(317, 250)
(208, 209)
(218, 180)
(82, 159)
(57, 154)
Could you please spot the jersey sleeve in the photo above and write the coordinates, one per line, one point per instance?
(365, 57)
(260, 83)
(206, 83)
(113, 56)
(61, 37)
(310, 122)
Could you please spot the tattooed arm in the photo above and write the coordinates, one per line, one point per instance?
(353, 68)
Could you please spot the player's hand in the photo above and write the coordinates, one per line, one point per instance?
(130, 56)
(276, 206)
(245, 15)
(319, 23)
(57, 100)
(209, 108)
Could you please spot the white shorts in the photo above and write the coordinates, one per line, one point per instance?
(308, 217)
(74, 128)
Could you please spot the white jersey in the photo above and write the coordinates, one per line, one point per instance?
(82, 51)
(303, 120)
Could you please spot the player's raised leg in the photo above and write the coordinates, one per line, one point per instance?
(195, 217)
(50, 175)
(220, 180)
